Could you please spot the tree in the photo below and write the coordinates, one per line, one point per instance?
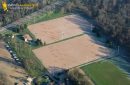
(1, 36)
(39, 42)
(25, 26)
(78, 77)
(3, 79)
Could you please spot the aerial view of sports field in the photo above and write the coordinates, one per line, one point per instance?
(64, 42)
(58, 29)
(70, 44)
(66, 52)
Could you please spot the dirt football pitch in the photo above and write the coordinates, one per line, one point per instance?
(68, 53)
(58, 29)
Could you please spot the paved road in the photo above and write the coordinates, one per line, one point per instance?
(56, 5)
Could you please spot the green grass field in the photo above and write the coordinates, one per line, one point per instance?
(46, 16)
(106, 73)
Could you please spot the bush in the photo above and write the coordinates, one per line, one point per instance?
(78, 77)
(39, 42)
(109, 43)
(42, 81)
(96, 31)
(3, 79)
(1, 36)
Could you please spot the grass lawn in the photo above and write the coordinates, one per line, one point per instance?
(26, 31)
(46, 16)
(106, 73)
(7, 32)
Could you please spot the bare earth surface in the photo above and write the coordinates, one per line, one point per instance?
(71, 52)
(58, 29)
(13, 72)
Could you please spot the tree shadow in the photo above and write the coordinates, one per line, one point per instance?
(121, 63)
(54, 70)
(21, 72)
(57, 74)
(22, 79)
(85, 26)
(82, 23)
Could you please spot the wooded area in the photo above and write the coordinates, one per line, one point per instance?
(113, 17)
(14, 14)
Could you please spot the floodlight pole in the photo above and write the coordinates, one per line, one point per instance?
(34, 19)
(92, 27)
(118, 49)
(62, 35)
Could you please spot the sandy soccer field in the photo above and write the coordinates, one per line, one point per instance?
(58, 29)
(70, 53)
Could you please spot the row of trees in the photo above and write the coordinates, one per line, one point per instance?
(19, 28)
(15, 14)
(24, 52)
